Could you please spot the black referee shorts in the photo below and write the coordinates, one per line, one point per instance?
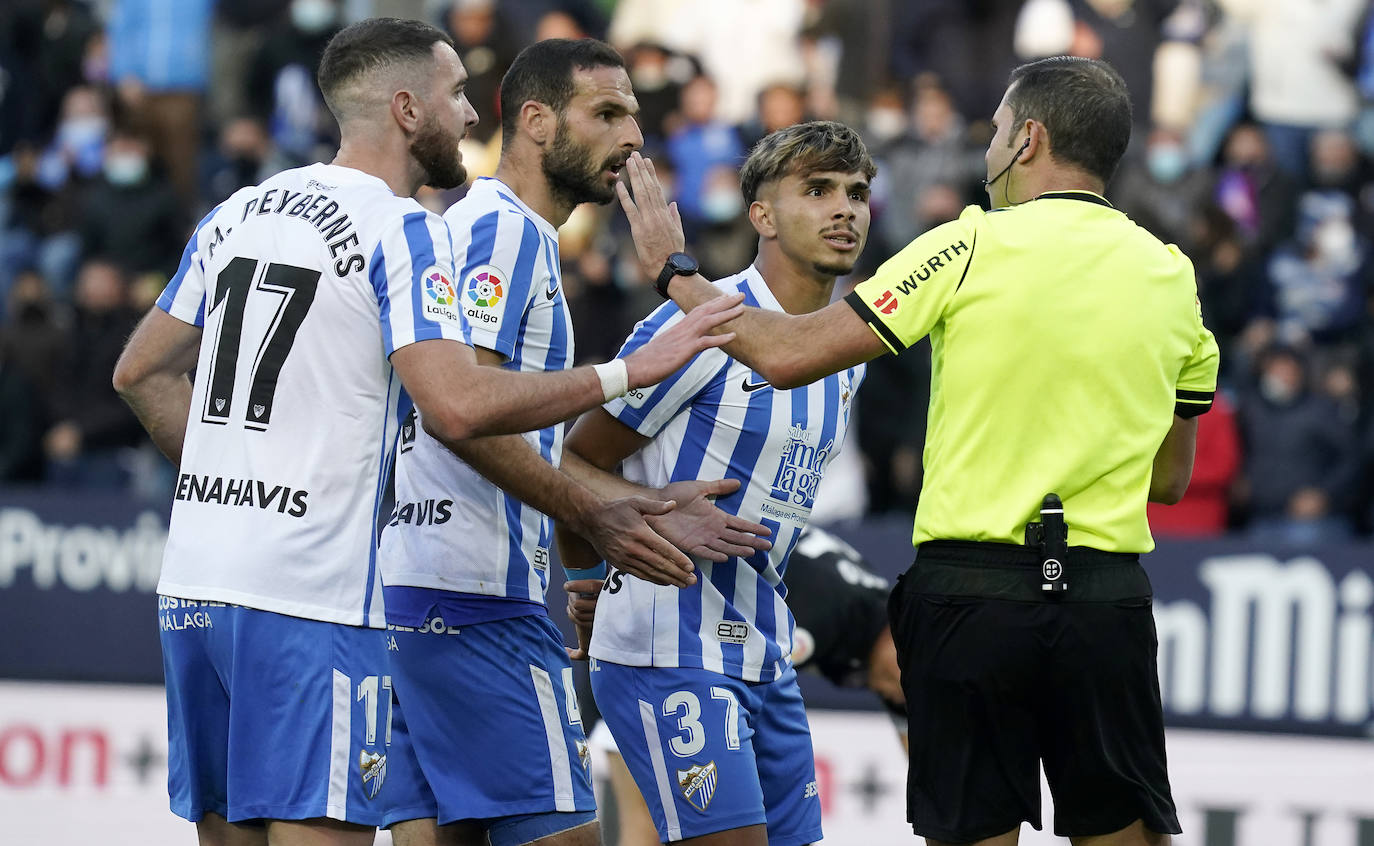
(998, 677)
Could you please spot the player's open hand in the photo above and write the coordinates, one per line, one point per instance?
(698, 527)
(624, 539)
(676, 345)
(582, 595)
(655, 223)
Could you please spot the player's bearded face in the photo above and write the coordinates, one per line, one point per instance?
(435, 149)
(574, 171)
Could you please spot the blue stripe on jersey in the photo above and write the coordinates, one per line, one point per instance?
(517, 579)
(169, 293)
(513, 204)
(421, 244)
(521, 283)
(700, 424)
(383, 470)
(764, 619)
(551, 263)
(634, 417)
(380, 286)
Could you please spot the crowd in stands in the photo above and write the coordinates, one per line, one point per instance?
(122, 122)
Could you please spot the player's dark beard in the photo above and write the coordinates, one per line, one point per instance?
(573, 178)
(435, 149)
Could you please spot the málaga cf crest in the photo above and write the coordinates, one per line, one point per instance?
(698, 784)
(373, 769)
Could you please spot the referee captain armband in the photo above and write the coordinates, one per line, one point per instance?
(1192, 403)
(597, 572)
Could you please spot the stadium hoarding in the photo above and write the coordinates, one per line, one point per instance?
(1251, 639)
(83, 757)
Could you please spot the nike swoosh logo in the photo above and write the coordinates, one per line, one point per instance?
(750, 387)
(553, 289)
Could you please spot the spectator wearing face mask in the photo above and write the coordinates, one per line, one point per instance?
(1318, 280)
(1162, 190)
(131, 216)
(1300, 456)
(160, 64)
(699, 144)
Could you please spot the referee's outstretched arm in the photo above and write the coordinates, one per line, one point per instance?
(789, 350)
(1173, 465)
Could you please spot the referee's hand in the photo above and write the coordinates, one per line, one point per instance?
(655, 223)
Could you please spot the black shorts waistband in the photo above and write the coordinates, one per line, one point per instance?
(1007, 571)
(1009, 554)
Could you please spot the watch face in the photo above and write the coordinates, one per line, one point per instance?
(683, 264)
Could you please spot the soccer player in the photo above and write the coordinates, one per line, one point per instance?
(315, 309)
(840, 606)
(1069, 357)
(696, 684)
(478, 669)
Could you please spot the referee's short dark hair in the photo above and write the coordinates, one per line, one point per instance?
(818, 145)
(1083, 103)
(369, 45)
(543, 72)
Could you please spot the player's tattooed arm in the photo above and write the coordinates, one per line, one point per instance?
(151, 376)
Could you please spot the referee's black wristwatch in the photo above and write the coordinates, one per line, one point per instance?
(678, 264)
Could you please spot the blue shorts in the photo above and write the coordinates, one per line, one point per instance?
(273, 717)
(711, 753)
(488, 725)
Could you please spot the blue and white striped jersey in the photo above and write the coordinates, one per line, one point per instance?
(304, 286)
(716, 418)
(453, 530)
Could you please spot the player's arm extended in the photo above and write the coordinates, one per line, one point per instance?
(615, 527)
(151, 376)
(789, 350)
(459, 399)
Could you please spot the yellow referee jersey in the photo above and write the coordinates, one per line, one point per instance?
(1064, 339)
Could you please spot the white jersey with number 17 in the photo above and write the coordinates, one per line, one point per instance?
(304, 286)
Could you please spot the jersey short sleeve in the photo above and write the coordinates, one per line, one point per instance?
(904, 300)
(184, 296)
(1197, 383)
(412, 275)
(498, 278)
(648, 410)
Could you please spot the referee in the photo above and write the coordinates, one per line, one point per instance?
(1069, 362)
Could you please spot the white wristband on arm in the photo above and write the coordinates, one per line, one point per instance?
(615, 378)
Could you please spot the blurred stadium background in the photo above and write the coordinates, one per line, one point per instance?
(123, 121)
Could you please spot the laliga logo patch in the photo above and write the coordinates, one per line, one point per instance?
(484, 295)
(698, 784)
(373, 769)
(440, 296)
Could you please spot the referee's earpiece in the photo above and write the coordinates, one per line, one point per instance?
(1014, 159)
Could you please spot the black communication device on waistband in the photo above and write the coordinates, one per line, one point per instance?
(1050, 537)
